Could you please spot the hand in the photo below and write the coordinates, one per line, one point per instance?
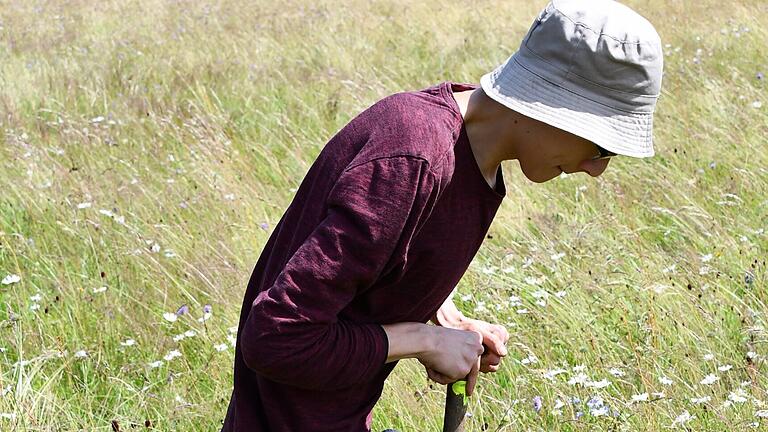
(495, 338)
(453, 355)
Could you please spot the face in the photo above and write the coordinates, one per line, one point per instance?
(546, 151)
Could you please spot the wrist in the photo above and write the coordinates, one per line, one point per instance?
(428, 341)
(449, 317)
(408, 340)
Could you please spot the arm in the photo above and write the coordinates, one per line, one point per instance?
(448, 354)
(293, 333)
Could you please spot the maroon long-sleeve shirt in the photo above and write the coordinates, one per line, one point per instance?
(382, 228)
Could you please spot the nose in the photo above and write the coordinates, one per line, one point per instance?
(594, 167)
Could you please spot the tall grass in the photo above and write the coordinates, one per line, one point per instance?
(188, 125)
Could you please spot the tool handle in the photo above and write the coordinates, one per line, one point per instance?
(455, 407)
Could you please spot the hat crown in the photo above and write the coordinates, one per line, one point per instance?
(600, 49)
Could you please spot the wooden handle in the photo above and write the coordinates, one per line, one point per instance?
(455, 407)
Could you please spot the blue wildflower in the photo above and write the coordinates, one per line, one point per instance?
(537, 403)
(749, 277)
(595, 402)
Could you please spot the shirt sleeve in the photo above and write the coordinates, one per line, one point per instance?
(293, 333)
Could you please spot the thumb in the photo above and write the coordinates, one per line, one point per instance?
(472, 377)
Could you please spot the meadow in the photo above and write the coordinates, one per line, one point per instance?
(149, 147)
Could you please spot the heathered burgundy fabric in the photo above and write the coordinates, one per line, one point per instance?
(380, 231)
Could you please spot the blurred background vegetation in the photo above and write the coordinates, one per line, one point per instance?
(149, 147)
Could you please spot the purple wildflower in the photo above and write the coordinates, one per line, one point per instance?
(207, 308)
(537, 403)
(182, 310)
(264, 226)
(760, 76)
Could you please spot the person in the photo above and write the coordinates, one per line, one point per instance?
(396, 205)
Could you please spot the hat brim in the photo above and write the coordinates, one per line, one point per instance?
(624, 133)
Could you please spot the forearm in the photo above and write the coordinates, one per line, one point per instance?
(407, 340)
(312, 355)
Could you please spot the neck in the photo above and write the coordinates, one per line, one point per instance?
(486, 124)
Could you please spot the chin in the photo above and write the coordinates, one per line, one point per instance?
(539, 177)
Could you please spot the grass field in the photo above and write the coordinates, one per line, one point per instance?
(149, 147)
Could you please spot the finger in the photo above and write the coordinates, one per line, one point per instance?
(487, 362)
(438, 377)
(472, 377)
(501, 332)
(493, 341)
(491, 358)
(480, 335)
(489, 367)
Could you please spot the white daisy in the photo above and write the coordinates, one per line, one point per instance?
(665, 381)
(552, 373)
(11, 279)
(172, 355)
(737, 397)
(579, 378)
(616, 372)
(709, 379)
(683, 418)
(603, 383)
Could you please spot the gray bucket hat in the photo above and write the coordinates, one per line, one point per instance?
(590, 67)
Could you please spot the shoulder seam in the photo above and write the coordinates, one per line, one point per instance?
(403, 155)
